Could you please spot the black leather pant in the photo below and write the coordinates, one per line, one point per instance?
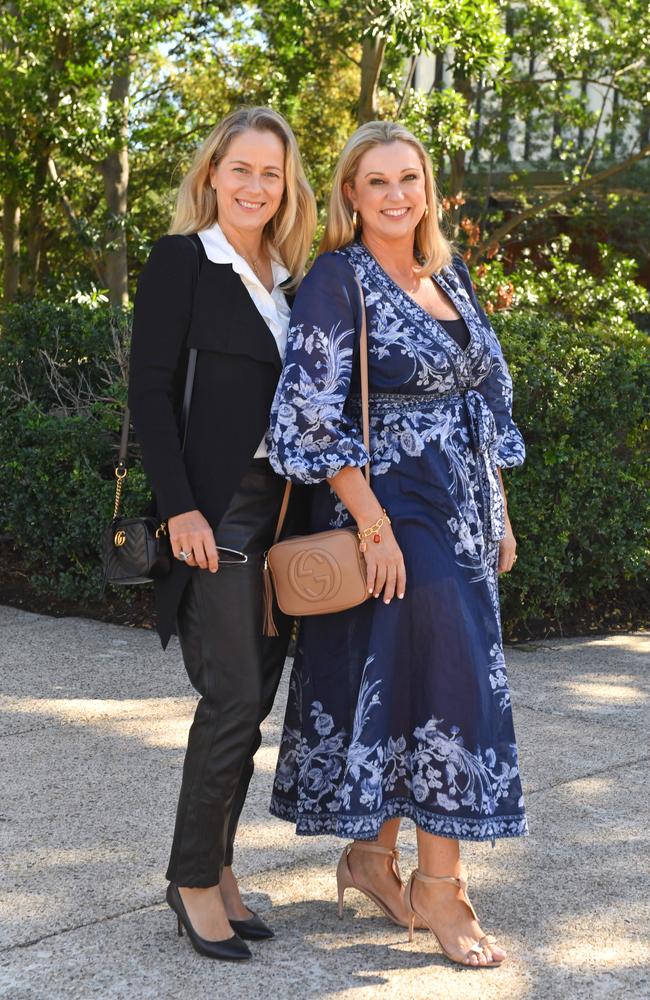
(236, 670)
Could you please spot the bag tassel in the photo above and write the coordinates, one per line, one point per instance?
(269, 624)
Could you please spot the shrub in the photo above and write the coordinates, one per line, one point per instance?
(578, 506)
(62, 388)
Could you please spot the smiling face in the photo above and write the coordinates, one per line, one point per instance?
(249, 180)
(388, 191)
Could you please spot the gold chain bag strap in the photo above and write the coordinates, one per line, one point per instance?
(325, 572)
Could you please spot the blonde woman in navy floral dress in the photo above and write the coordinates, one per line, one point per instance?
(400, 707)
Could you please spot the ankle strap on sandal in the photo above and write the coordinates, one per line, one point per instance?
(372, 848)
(460, 881)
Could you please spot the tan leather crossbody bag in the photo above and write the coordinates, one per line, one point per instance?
(325, 572)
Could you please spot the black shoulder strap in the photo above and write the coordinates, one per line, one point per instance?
(189, 380)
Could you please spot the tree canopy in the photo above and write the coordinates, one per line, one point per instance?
(105, 103)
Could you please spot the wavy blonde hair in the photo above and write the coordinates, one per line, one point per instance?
(289, 233)
(433, 249)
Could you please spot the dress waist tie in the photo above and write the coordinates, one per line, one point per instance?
(484, 435)
(483, 431)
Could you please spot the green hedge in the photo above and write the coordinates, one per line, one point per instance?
(58, 447)
(579, 505)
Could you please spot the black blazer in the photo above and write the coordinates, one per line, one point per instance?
(237, 370)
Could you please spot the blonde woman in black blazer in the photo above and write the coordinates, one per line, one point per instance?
(247, 208)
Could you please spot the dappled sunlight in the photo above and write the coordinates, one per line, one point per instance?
(19, 906)
(598, 787)
(578, 945)
(91, 709)
(563, 901)
(633, 642)
(266, 759)
(154, 722)
(68, 857)
(624, 690)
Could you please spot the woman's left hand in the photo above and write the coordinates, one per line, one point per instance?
(507, 550)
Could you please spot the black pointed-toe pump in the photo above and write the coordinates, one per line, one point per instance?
(229, 949)
(253, 928)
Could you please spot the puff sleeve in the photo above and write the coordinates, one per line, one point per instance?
(312, 437)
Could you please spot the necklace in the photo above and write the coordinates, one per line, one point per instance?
(252, 262)
(410, 287)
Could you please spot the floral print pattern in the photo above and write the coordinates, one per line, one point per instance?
(401, 710)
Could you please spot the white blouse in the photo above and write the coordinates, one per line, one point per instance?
(272, 306)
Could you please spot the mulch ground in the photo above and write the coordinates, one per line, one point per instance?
(17, 591)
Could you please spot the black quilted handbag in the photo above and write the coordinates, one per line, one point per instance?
(137, 549)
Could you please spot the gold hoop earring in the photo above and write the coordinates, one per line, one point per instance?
(355, 218)
(426, 211)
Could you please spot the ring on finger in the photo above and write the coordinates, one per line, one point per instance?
(184, 556)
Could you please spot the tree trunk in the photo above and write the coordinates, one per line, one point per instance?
(528, 135)
(644, 128)
(11, 206)
(114, 169)
(11, 247)
(613, 132)
(478, 110)
(556, 138)
(583, 98)
(504, 137)
(372, 59)
(35, 229)
(457, 160)
(438, 81)
(41, 151)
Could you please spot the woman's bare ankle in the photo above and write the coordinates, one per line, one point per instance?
(206, 911)
(234, 904)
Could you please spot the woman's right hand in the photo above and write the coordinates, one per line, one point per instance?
(190, 532)
(385, 565)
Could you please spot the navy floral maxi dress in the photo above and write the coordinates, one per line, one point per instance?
(401, 709)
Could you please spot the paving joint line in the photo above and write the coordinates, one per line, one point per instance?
(605, 720)
(592, 774)
(76, 927)
(7, 949)
(25, 732)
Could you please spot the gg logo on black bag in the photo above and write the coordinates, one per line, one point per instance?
(120, 538)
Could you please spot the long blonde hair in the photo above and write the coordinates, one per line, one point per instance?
(289, 233)
(433, 249)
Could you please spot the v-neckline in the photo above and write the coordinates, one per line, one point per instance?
(463, 351)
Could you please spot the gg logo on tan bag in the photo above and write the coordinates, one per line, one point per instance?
(315, 575)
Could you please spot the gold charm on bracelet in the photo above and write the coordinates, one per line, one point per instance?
(373, 530)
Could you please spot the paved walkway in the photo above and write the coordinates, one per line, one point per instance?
(93, 726)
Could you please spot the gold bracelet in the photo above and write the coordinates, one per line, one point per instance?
(374, 529)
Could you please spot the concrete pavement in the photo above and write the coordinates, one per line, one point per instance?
(93, 724)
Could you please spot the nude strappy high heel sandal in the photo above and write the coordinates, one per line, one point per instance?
(345, 879)
(460, 883)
